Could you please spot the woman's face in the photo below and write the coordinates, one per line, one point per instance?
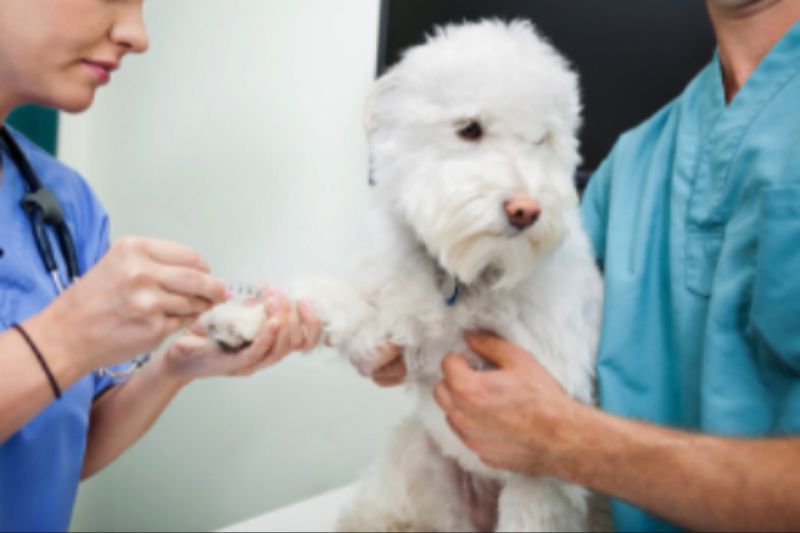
(57, 53)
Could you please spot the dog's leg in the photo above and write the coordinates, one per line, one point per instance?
(542, 504)
(352, 322)
(411, 488)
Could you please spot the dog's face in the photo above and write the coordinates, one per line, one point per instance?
(473, 146)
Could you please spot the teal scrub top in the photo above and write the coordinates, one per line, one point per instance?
(695, 220)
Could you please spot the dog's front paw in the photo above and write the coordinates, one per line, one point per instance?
(234, 326)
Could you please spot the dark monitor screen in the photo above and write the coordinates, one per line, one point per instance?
(633, 56)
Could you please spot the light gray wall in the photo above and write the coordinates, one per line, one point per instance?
(240, 134)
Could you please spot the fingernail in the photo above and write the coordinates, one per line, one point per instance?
(273, 305)
(308, 306)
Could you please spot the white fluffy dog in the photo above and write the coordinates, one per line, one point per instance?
(473, 145)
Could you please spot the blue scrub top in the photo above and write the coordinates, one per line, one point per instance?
(695, 219)
(40, 466)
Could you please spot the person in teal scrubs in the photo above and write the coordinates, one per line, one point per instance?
(61, 419)
(695, 220)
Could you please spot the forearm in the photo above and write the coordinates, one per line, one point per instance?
(24, 388)
(698, 482)
(123, 416)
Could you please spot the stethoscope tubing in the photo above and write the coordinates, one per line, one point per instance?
(35, 205)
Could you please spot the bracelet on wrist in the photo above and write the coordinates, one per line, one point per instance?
(39, 357)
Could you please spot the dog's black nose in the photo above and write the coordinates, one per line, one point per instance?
(522, 211)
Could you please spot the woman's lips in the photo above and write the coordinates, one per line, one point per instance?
(100, 70)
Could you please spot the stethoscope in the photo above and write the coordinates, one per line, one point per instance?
(43, 210)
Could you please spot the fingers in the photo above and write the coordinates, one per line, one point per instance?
(391, 366)
(454, 411)
(179, 306)
(170, 253)
(456, 429)
(443, 397)
(461, 387)
(292, 329)
(296, 334)
(497, 351)
(302, 327)
(392, 374)
(197, 329)
(173, 324)
(311, 324)
(456, 369)
(456, 417)
(283, 342)
(388, 355)
(264, 346)
(288, 329)
(262, 352)
(191, 343)
(189, 282)
(291, 336)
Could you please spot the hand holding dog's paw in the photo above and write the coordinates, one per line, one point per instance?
(234, 325)
(194, 355)
(239, 339)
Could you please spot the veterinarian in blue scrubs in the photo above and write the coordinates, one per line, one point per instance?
(695, 218)
(60, 419)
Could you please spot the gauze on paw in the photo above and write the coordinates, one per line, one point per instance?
(234, 325)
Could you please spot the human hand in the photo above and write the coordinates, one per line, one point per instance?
(516, 417)
(141, 292)
(391, 366)
(289, 328)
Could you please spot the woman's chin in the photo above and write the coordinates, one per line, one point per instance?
(71, 101)
(76, 105)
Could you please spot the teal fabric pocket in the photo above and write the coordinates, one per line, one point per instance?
(776, 294)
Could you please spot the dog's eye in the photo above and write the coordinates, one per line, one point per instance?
(471, 132)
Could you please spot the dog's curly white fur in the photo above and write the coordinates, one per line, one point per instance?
(440, 216)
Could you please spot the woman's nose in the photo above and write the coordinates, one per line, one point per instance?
(129, 30)
(522, 211)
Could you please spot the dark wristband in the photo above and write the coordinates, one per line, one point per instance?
(35, 349)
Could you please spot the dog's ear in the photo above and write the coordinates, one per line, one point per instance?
(380, 89)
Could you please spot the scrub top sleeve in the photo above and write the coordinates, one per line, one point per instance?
(775, 312)
(594, 210)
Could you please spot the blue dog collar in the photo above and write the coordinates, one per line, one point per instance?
(451, 289)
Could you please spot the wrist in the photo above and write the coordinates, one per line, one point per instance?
(60, 347)
(577, 433)
(168, 372)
